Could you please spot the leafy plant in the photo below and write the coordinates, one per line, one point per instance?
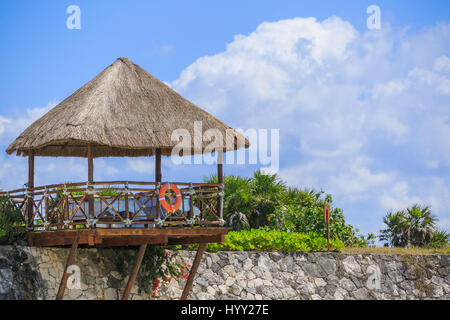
(440, 239)
(239, 221)
(12, 226)
(264, 239)
(254, 197)
(302, 211)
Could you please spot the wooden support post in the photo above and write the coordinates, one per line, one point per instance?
(191, 207)
(127, 207)
(30, 187)
(90, 179)
(220, 180)
(47, 210)
(158, 178)
(220, 167)
(135, 271)
(70, 258)
(127, 204)
(66, 208)
(190, 280)
(158, 174)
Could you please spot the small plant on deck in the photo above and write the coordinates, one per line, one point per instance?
(12, 226)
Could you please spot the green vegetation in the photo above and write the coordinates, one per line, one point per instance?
(413, 227)
(399, 251)
(72, 190)
(272, 240)
(264, 201)
(12, 227)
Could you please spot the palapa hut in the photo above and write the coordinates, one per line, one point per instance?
(123, 112)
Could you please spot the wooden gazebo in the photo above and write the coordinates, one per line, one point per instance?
(122, 112)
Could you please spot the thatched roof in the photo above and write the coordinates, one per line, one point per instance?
(124, 111)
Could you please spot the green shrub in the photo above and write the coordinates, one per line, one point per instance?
(302, 211)
(264, 200)
(12, 226)
(254, 197)
(272, 240)
(439, 239)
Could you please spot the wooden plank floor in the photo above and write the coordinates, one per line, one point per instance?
(127, 236)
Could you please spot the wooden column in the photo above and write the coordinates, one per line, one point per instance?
(30, 186)
(69, 262)
(90, 179)
(220, 180)
(135, 271)
(158, 178)
(220, 167)
(190, 280)
(158, 174)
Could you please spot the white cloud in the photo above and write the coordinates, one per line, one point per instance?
(398, 198)
(145, 166)
(339, 99)
(432, 164)
(358, 113)
(12, 127)
(348, 181)
(3, 123)
(442, 64)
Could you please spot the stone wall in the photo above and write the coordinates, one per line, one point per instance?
(34, 273)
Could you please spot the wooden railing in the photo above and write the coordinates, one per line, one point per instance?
(116, 204)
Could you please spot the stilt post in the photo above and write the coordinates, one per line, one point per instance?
(134, 272)
(30, 188)
(190, 280)
(158, 178)
(90, 179)
(69, 262)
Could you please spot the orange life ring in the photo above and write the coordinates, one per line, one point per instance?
(162, 197)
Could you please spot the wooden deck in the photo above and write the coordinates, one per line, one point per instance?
(127, 237)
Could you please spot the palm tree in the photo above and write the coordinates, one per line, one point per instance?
(267, 190)
(413, 226)
(421, 225)
(396, 229)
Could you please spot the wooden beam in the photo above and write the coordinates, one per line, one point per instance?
(102, 232)
(31, 186)
(125, 236)
(197, 239)
(190, 280)
(134, 272)
(62, 285)
(134, 241)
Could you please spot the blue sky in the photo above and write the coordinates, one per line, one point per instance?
(363, 114)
